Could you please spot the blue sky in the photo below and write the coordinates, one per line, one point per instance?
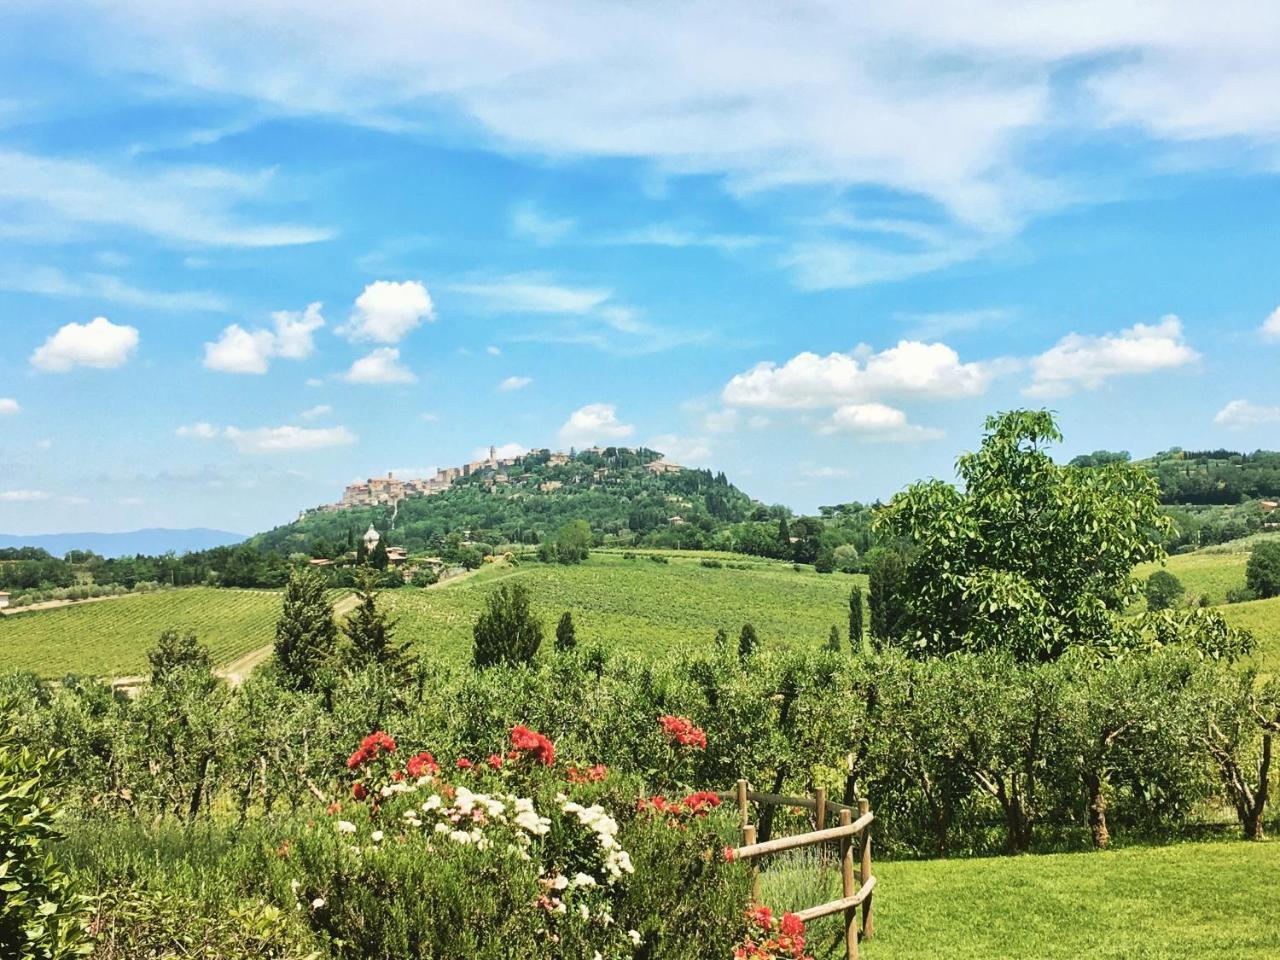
(255, 251)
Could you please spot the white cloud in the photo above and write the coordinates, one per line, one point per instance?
(52, 282)
(44, 443)
(593, 423)
(1239, 414)
(1079, 361)
(316, 412)
(23, 496)
(514, 383)
(8, 406)
(201, 431)
(690, 451)
(238, 350)
(721, 421)
(99, 343)
(294, 331)
(528, 222)
(503, 451)
(807, 380)
(813, 472)
(49, 198)
(386, 311)
(1271, 325)
(271, 439)
(289, 438)
(429, 417)
(532, 294)
(877, 421)
(670, 235)
(380, 366)
(493, 351)
(950, 103)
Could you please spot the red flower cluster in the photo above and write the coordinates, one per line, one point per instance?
(424, 764)
(682, 731)
(695, 805)
(533, 744)
(589, 775)
(778, 938)
(464, 764)
(370, 747)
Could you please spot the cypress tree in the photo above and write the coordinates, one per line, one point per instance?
(748, 641)
(306, 636)
(833, 640)
(856, 627)
(566, 638)
(370, 633)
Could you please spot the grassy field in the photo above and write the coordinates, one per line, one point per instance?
(1188, 900)
(637, 604)
(111, 637)
(1262, 619)
(1204, 573)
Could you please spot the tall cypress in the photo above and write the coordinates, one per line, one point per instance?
(306, 635)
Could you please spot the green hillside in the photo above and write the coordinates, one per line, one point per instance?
(637, 605)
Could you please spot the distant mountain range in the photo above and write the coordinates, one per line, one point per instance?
(150, 542)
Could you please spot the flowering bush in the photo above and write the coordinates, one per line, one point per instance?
(681, 731)
(678, 812)
(772, 938)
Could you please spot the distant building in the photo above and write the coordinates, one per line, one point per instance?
(1268, 505)
(658, 467)
(371, 538)
(4, 599)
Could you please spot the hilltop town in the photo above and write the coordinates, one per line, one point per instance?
(528, 469)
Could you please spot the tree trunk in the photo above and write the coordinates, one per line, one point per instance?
(1097, 810)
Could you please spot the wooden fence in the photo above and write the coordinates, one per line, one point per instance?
(845, 833)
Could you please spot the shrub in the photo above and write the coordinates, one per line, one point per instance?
(711, 564)
(507, 630)
(1163, 590)
(41, 915)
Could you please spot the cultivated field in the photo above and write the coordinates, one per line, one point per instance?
(111, 639)
(1204, 900)
(637, 604)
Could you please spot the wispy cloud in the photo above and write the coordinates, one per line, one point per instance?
(56, 197)
(51, 282)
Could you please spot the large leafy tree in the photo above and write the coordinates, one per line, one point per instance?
(306, 635)
(573, 542)
(1026, 555)
(1262, 575)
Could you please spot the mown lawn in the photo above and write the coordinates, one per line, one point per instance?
(1189, 900)
(111, 637)
(1207, 573)
(638, 605)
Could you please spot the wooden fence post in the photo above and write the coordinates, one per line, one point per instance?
(868, 927)
(820, 814)
(846, 880)
(743, 819)
(748, 838)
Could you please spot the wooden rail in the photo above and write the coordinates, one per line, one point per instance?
(849, 829)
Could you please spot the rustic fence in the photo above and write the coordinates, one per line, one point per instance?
(854, 894)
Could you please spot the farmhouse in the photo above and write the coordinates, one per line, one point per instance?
(4, 599)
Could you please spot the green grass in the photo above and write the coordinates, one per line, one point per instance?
(1201, 900)
(637, 605)
(1262, 619)
(111, 637)
(1209, 573)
